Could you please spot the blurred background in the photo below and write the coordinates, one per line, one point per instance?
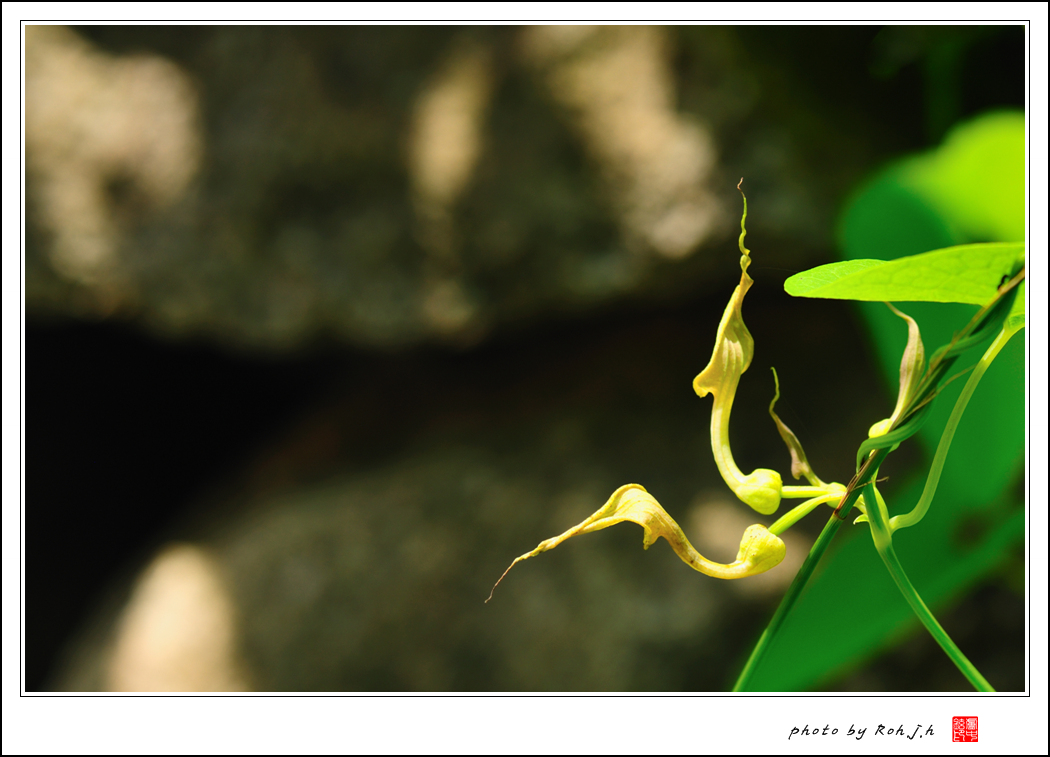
(326, 325)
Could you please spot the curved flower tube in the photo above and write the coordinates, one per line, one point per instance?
(759, 550)
(734, 348)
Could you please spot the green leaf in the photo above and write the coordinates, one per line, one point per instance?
(967, 273)
(975, 180)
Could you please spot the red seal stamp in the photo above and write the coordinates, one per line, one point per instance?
(964, 728)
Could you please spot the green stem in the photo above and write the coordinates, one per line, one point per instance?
(880, 534)
(796, 514)
(893, 565)
(816, 552)
(798, 492)
(919, 511)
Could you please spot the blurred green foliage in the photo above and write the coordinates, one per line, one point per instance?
(970, 189)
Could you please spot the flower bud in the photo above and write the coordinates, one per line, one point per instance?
(760, 550)
(760, 490)
(913, 363)
(881, 428)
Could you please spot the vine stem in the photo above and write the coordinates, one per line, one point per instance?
(880, 533)
(919, 511)
(816, 552)
(893, 565)
(792, 517)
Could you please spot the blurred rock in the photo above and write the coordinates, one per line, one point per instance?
(617, 83)
(177, 630)
(104, 135)
(387, 186)
(377, 582)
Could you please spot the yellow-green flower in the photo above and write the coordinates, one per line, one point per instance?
(760, 547)
(734, 348)
(759, 551)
